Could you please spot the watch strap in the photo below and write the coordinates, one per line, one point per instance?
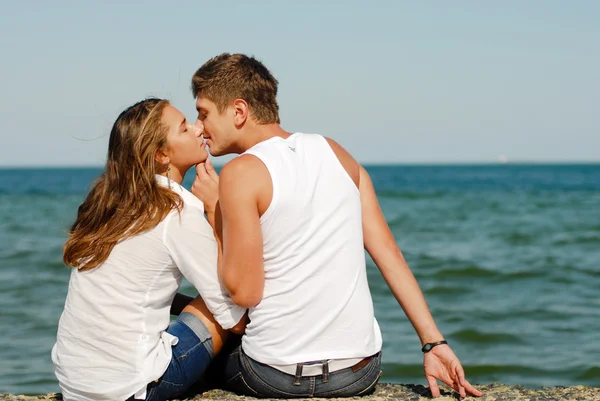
(429, 346)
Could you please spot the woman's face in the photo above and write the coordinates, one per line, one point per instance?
(185, 146)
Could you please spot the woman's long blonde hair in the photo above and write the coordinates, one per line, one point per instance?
(126, 200)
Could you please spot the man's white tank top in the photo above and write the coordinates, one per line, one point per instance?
(316, 303)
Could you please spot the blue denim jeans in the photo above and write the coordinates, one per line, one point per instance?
(191, 357)
(244, 375)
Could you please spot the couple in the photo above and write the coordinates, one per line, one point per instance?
(274, 247)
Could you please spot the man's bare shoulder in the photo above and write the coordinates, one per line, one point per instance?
(245, 173)
(242, 167)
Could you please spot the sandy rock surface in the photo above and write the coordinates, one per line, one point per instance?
(408, 392)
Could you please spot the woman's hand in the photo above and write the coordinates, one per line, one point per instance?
(206, 186)
(441, 363)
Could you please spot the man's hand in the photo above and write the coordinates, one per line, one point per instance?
(441, 363)
(206, 186)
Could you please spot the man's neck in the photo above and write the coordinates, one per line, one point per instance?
(261, 133)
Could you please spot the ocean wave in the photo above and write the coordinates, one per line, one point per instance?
(445, 290)
(591, 373)
(573, 274)
(426, 266)
(399, 373)
(404, 371)
(522, 274)
(410, 195)
(24, 255)
(521, 370)
(579, 238)
(15, 228)
(537, 314)
(467, 271)
(516, 238)
(476, 336)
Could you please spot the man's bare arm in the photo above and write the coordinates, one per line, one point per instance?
(381, 245)
(241, 269)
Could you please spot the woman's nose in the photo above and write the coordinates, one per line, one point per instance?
(198, 128)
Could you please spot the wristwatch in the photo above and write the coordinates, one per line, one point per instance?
(429, 346)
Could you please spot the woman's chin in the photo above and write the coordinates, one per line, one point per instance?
(203, 155)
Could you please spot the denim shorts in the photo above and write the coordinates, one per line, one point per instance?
(191, 357)
(244, 375)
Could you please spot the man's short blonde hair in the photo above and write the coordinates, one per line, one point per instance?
(227, 77)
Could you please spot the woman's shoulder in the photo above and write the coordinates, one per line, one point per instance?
(189, 200)
(190, 219)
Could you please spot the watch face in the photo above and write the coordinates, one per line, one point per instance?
(427, 347)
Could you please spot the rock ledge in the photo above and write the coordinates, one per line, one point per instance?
(406, 392)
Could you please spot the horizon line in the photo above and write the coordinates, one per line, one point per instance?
(418, 163)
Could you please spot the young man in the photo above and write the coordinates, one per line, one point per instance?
(297, 213)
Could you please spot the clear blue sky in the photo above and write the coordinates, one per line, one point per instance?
(393, 81)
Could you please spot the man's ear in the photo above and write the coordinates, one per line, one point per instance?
(241, 112)
(161, 156)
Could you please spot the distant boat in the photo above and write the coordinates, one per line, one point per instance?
(502, 159)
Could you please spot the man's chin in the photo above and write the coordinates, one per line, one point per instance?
(215, 152)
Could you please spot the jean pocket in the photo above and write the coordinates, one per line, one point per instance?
(238, 385)
(350, 384)
(371, 388)
(165, 390)
(151, 391)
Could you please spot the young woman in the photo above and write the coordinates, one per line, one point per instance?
(136, 234)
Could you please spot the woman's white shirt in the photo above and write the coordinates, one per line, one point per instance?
(111, 337)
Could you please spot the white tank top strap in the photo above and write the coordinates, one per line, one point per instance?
(273, 173)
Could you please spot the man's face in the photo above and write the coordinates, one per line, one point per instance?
(218, 128)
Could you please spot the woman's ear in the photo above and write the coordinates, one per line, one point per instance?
(161, 156)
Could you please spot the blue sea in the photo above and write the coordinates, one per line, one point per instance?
(508, 257)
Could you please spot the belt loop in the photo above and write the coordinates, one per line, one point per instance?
(325, 364)
(298, 374)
